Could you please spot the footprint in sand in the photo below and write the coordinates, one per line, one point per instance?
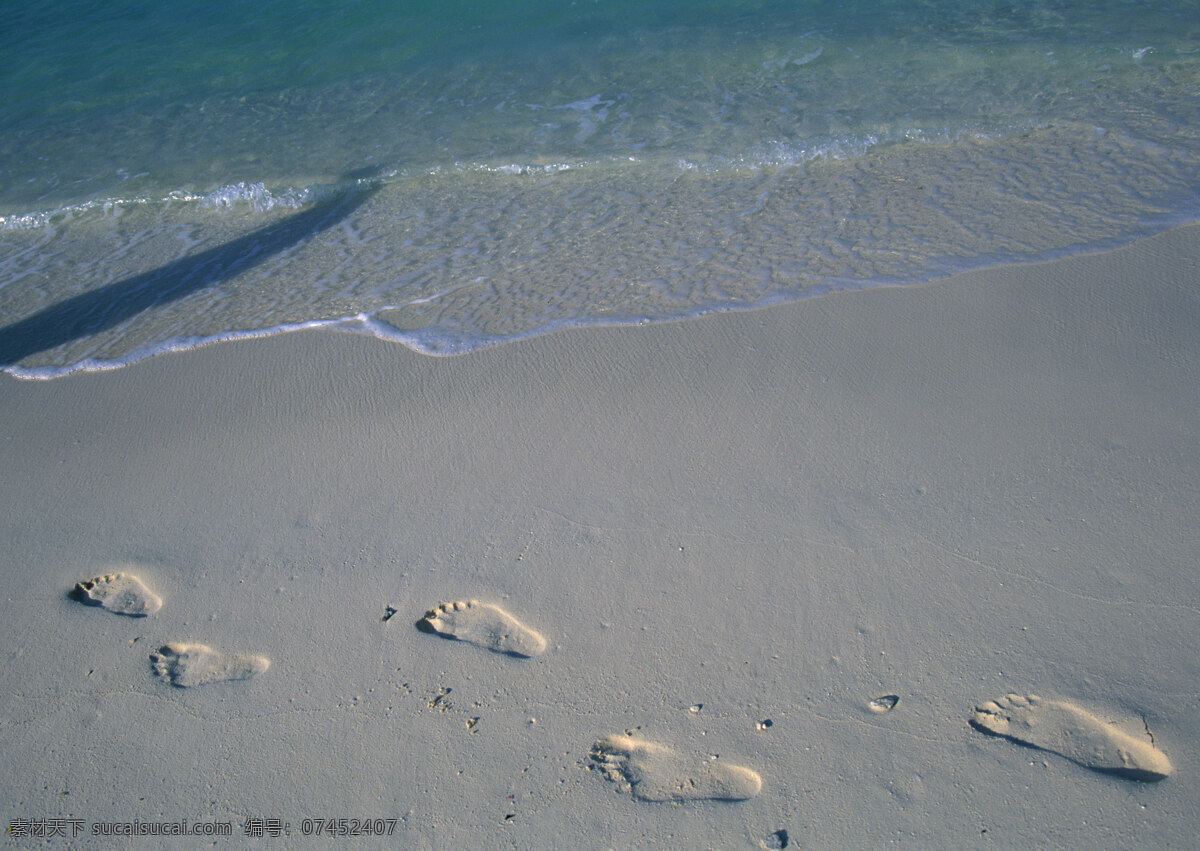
(122, 593)
(187, 665)
(1067, 730)
(654, 772)
(485, 625)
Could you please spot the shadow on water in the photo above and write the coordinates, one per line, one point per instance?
(103, 308)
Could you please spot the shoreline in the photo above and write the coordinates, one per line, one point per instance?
(943, 493)
(677, 247)
(437, 345)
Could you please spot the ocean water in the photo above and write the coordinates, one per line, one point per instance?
(458, 173)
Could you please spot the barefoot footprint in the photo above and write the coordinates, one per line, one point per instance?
(484, 625)
(654, 772)
(121, 593)
(187, 665)
(1067, 730)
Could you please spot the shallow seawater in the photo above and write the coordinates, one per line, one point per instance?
(458, 174)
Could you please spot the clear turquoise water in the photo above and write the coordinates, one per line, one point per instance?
(456, 174)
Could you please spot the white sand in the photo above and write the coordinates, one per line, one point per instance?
(984, 486)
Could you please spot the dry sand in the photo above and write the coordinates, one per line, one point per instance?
(803, 548)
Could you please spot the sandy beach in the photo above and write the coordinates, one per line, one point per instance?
(752, 580)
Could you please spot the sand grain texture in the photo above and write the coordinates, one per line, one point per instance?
(944, 493)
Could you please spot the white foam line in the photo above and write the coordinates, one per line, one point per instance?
(256, 196)
(176, 344)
